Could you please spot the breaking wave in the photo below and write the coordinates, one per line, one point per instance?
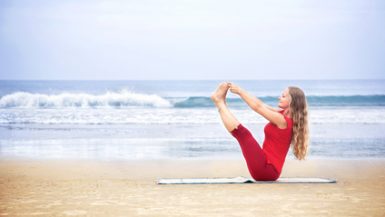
(85, 100)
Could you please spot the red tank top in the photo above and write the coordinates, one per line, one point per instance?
(277, 143)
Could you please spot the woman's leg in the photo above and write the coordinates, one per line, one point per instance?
(251, 150)
(254, 155)
(219, 99)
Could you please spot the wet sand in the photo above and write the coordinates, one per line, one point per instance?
(128, 188)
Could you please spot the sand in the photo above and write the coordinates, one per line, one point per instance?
(128, 188)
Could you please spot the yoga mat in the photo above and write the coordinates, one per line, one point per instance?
(242, 180)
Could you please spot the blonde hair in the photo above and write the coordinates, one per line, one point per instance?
(298, 112)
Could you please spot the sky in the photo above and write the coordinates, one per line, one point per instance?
(192, 39)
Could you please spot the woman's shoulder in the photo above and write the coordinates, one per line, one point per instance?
(287, 117)
(282, 112)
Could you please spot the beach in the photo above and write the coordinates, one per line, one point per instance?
(101, 99)
(128, 188)
(97, 148)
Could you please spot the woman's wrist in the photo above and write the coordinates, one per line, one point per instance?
(240, 91)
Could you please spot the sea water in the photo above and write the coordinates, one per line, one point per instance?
(174, 119)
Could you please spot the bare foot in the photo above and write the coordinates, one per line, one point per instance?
(220, 94)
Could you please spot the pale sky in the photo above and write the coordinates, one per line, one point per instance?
(192, 39)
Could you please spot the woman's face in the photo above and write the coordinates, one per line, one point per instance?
(284, 99)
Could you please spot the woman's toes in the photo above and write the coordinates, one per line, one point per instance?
(220, 93)
(222, 90)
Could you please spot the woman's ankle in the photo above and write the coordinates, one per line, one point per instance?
(221, 104)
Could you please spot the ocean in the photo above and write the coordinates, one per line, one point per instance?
(175, 119)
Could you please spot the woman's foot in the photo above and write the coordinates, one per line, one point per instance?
(219, 96)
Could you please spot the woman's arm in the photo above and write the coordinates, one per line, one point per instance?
(272, 108)
(258, 106)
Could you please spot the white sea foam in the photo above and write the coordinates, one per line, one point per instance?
(122, 98)
(175, 116)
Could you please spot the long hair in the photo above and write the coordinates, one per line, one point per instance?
(298, 112)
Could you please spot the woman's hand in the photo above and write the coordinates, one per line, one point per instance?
(234, 88)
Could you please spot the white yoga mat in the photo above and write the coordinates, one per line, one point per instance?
(242, 180)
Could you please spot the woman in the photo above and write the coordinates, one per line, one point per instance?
(287, 125)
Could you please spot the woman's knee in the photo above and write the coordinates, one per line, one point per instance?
(240, 132)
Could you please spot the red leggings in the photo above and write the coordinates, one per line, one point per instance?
(255, 157)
